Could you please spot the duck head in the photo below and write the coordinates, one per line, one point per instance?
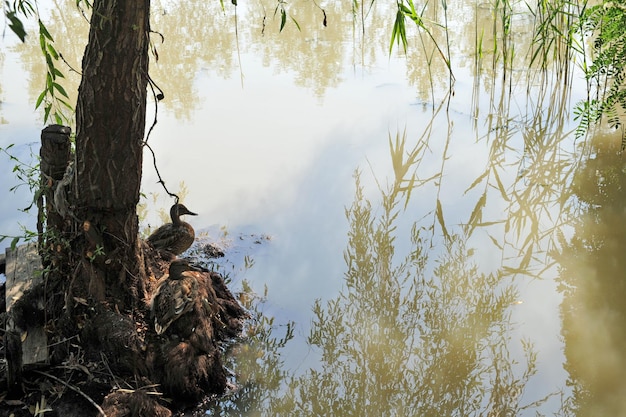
(179, 266)
(178, 210)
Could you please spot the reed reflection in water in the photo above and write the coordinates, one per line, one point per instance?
(400, 341)
(414, 331)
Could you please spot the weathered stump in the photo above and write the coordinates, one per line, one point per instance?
(55, 157)
(56, 176)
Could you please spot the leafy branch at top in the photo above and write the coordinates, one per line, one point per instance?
(53, 97)
(607, 73)
(399, 29)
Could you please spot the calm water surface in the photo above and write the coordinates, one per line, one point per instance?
(450, 276)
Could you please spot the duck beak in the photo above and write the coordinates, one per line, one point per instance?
(185, 210)
(197, 268)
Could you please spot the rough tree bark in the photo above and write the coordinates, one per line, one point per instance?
(110, 126)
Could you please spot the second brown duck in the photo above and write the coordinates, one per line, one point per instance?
(177, 236)
(175, 294)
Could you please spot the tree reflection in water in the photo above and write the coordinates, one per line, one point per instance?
(406, 336)
(400, 341)
(593, 283)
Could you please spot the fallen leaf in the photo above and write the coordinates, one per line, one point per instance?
(14, 402)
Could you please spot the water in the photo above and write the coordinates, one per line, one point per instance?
(264, 138)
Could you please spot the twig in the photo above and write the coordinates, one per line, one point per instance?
(157, 97)
(69, 66)
(76, 390)
(160, 181)
(67, 339)
(142, 389)
(105, 361)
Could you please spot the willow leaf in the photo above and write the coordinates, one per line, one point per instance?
(442, 223)
(477, 181)
(477, 213)
(500, 186)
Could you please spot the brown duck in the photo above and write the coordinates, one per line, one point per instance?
(177, 236)
(175, 294)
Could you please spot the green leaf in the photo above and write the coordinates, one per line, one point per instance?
(53, 51)
(398, 33)
(66, 104)
(43, 31)
(60, 89)
(47, 112)
(16, 25)
(49, 61)
(296, 23)
(25, 8)
(406, 10)
(42, 42)
(14, 242)
(40, 98)
(283, 19)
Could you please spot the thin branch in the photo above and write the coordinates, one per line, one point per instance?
(76, 390)
(157, 98)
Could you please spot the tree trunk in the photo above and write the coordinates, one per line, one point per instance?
(110, 126)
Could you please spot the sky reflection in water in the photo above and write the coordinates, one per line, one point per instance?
(278, 159)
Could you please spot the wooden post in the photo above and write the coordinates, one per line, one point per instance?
(55, 178)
